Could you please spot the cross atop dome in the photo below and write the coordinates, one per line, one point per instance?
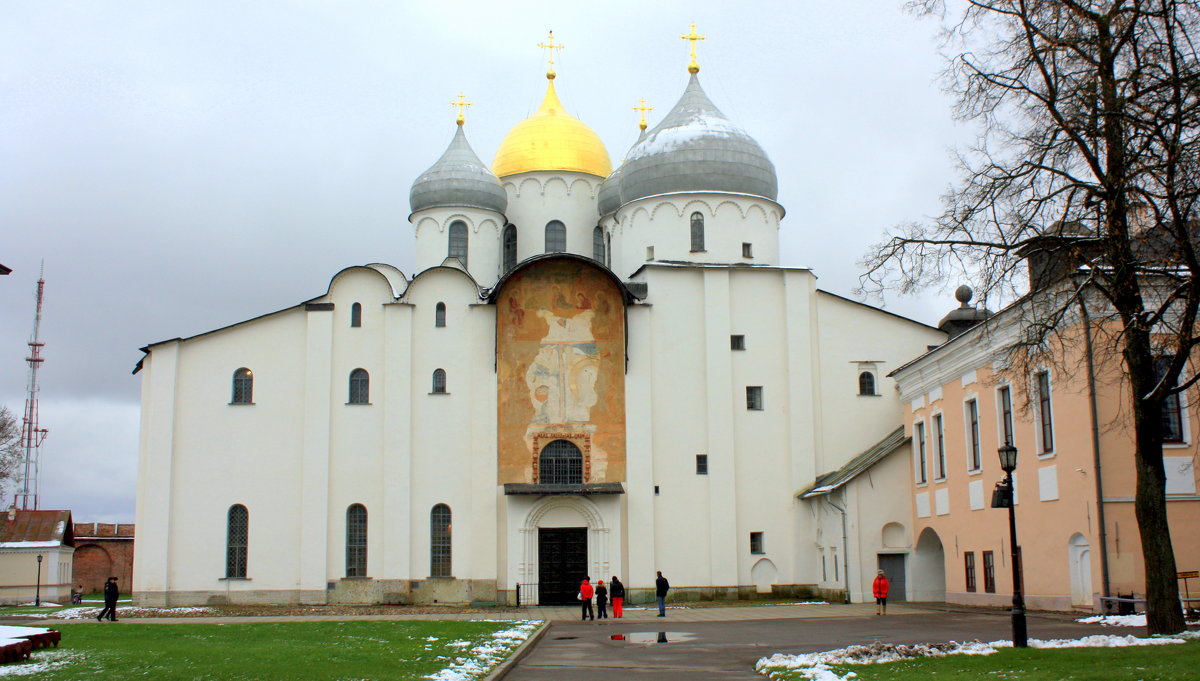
(693, 38)
(461, 104)
(551, 47)
(643, 109)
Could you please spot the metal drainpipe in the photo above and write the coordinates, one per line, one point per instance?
(1091, 368)
(845, 544)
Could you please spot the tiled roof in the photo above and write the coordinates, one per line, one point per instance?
(41, 528)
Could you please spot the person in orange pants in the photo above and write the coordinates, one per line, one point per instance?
(616, 591)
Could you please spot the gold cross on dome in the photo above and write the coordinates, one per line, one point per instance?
(549, 45)
(461, 103)
(643, 109)
(693, 37)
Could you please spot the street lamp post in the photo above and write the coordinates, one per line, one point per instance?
(1003, 497)
(37, 599)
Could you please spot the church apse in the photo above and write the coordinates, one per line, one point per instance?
(560, 346)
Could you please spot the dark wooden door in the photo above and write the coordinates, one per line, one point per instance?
(892, 565)
(562, 564)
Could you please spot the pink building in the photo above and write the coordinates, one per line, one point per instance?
(1075, 477)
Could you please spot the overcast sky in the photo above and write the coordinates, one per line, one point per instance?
(181, 166)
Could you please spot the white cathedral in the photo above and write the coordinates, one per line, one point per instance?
(591, 372)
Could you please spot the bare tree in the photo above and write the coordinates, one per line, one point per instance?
(11, 451)
(1089, 117)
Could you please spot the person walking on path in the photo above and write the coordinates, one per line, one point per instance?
(110, 601)
(617, 591)
(585, 597)
(601, 599)
(880, 588)
(661, 587)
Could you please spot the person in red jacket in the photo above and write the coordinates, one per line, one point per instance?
(585, 597)
(880, 589)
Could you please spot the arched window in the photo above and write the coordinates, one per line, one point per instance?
(439, 315)
(560, 463)
(243, 387)
(356, 315)
(598, 244)
(360, 387)
(510, 247)
(697, 232)
(356, 541)
(439, 541)
(439, 381)
(238, 531)
(556, 237)
(866, 383)
(458, 241)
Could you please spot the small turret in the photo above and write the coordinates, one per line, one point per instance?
(965, 315)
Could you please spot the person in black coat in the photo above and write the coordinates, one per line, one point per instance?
(601, 600)
(661, 587)
(110, 600)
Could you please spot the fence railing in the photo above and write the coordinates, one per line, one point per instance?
(527, 594)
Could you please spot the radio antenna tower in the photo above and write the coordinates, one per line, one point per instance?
(32, 435)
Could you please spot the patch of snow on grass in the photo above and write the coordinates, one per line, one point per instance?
(42, 662)
(90, 613)
(483, 657)
(1120, 620)
(817, 666)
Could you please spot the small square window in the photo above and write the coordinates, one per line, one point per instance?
(754, 397)
(737, 342)
(649, 253)
(701, 464)
(747, 250)
(656, 490)
(756, 543)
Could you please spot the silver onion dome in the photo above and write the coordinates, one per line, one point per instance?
(608, 197)
(458, 179)
(695, 148)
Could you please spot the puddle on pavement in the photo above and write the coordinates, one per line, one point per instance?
(565, 638)
(654, 637)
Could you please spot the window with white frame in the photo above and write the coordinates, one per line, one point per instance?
(360, 387)
(866, 383)
(919, 432)
(971, 421)
(754, 397)
(457, 246)
(1004, 406)
(1045, 413)
(1172, 411)
(556, 237)
(939, 434)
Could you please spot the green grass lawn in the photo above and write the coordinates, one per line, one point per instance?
(299, 651)
(1179, 662)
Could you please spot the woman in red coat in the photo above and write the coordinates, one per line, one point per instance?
(880, 589)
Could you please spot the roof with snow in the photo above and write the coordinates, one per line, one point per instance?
(831, 481)
(36, 529)
(695, 148)
(458, 179)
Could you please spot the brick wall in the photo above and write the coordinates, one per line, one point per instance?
(103, 550)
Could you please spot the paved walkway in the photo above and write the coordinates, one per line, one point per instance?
(724, 643)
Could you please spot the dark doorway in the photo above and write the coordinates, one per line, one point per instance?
(892, 565)
(562, 564)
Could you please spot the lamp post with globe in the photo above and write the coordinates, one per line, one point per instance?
(1002, 497)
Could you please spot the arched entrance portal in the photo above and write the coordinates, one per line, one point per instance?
(565, 540)
(1079, 554)
(928, 574)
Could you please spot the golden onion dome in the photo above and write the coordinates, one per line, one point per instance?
(551, 139)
